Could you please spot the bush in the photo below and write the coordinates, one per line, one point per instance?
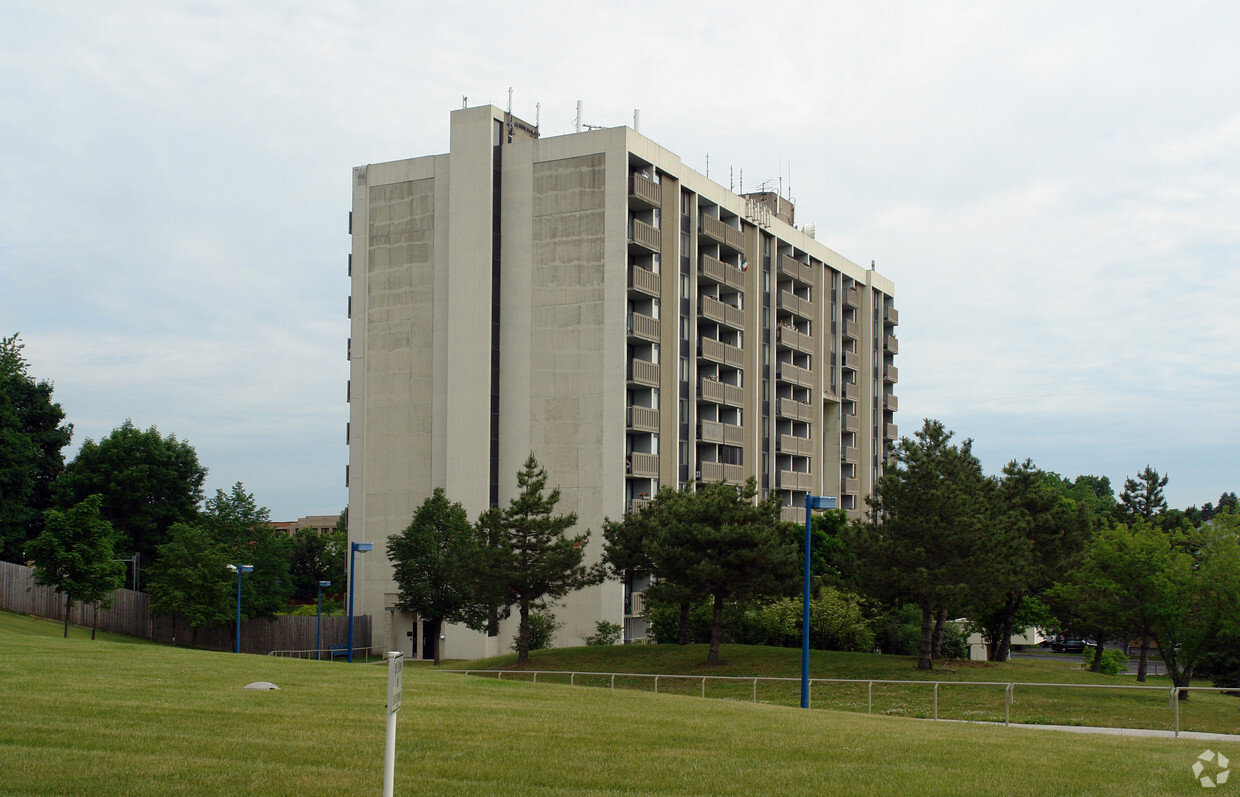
(605, 633)
(1114, 662)
(542, 630)
(955, 641)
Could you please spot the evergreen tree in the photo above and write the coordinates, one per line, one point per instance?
(530, 559)
(435, 564)
(74, 555)
(1143, 496)
(32, 434)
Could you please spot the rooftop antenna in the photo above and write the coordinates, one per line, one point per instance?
(578, 122)
(708, 164)
(537, 114)
(731, 185)
(637, 119)
(464, 101)
(742, 181)
(510, 99)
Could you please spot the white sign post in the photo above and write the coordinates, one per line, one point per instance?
(396, 662)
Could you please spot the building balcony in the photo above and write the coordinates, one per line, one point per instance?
(643, 327)
(851, 329)
(792, 514)
(795, 480)
(891, 344)
(891, 316)
(733, 435)
(717, 392)
(643, 235)
(711, 308)
(890, 402)
(642, 466)
(795, 269)
(849, 359)
(848, 453)
(794, 410)
(643, 280)
(890, 432)
(851, 391)
(792, 339)
(849, 423)
(723, 233)
(733, 317)
(721, 353)
(891, 374)
(645, 190)
(796, 305)
(849, 486)
(642, 419)
(852, 297)
(638, 504)
(719, 472)
(712, 269)
(788, 372)
(710, 432)
(797, 446)
(642, 372)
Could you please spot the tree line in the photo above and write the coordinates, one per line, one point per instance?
(137, 496)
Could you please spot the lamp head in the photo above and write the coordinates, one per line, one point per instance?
(247, 568)
(325, 583)
(232, 568)
(363, 547)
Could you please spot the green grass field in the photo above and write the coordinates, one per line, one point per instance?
(1101, 707)
(113, 717)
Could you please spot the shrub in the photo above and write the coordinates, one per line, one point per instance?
(955, 642)
(542, 630)
(605, 633)
(1114, 662)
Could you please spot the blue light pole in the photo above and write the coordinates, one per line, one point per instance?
(318, 634)
(239, 569)
(354, 547)
(812, 502)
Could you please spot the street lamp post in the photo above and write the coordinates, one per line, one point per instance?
(812, 502)
(354, 547)
(318, 634)
(239, 569)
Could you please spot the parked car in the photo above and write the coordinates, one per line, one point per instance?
(1067, 643)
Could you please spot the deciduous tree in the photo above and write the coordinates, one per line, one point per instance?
(32, 434)
(243, 527)
(74, 555)
(435, 563)
(148, 482)
(190, 580)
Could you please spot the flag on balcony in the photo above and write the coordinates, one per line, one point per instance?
(744, 263)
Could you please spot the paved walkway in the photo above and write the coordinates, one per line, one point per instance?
(1148, 732)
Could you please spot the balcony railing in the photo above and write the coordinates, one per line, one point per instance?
(792, 514)
(848, 453)
(711, 308)
(796, 410)
(719, 352)
(851, 329)
(794, 374)
(643, 234)
(718, 471)
(891, 344)
(890, 402)
(643, 372)
(797, 446)
(793, 339)
(796, 305)
(849, 423)
(643, 466)
(722, 232)
(733, 435)
(851, 391)
(852, 297)
(637, 505)
(644, 280)
(849, 486)
(644, 327)
(891, 432)
(891, 374)
(848, 359)
(891, 316)
(795, 269)
(710, 432)
(642, 419)
(793, 480)
(646, 190)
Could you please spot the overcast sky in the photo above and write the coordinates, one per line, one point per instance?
(1054, 189)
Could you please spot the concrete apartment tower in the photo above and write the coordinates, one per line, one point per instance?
(590, 299)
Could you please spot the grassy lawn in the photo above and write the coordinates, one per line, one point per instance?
(112, 717)
(960, 696)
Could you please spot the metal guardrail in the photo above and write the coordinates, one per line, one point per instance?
(1008, 692)
(323, 653)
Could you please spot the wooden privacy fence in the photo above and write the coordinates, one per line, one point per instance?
(130, 615)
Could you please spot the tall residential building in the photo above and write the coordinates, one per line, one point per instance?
(590, 299)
